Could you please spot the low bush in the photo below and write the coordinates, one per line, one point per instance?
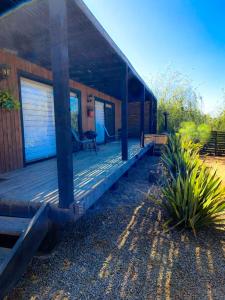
(195, 133)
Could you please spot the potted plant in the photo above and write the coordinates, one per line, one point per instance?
(8, 101)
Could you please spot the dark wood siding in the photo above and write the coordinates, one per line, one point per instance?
(10, 141)
(154, 116)
(147, 117)
(11, 156)
(134, 118)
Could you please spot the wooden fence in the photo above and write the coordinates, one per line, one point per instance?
(216, 144)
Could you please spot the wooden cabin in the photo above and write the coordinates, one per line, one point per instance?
(58, 62)
(28, 135)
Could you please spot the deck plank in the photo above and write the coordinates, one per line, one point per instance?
(13, 226)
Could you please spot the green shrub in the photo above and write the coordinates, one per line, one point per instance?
(188, 131)
(180, 156)
(204, 133)
(191, 132)
(193, 195)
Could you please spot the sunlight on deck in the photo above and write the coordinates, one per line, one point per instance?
(38, 182)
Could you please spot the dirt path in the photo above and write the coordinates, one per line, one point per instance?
(118, 250)
(218, 164)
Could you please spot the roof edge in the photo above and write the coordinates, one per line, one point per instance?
(107, 37)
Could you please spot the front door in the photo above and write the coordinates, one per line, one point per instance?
(100, 122)
(110, 118)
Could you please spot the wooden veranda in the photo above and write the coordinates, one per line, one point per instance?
(63, 37)
(93, 174)
(60, 45)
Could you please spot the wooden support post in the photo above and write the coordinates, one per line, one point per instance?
(142, 117)
(124, 114)
(60, 71)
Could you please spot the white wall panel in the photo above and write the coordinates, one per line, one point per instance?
(38, 120)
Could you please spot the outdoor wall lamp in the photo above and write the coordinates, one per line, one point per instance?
(5, 71)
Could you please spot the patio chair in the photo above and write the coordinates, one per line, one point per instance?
(110, 137)
(90, 143)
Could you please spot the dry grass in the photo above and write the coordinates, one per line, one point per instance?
(218, 164)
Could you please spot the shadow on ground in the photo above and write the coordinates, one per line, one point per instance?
(118, 250)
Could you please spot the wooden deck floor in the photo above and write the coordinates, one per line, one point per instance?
(93, 175)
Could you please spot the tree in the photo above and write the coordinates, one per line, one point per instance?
(177, 96)
(218, 122)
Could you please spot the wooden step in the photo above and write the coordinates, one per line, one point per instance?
(31, 234)
(13, 226)
(3, 253)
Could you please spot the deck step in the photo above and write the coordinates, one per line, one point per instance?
(31, 233)
(13, 226)
(3, 253)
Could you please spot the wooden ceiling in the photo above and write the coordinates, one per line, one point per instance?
(95, 60)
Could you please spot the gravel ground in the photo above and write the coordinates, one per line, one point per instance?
(119, 250)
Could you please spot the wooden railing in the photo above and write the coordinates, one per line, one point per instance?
(215, 145)
(158, 139)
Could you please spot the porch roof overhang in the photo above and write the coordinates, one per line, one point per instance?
(95, 60)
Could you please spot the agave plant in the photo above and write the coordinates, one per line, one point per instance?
(193, 195)
(180, 156)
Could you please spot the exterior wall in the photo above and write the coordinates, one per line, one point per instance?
(154, 117)
(147, 117)
(11, 144)
(134, 118)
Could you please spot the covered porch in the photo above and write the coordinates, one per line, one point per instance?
(93, 174)
(59, 43)
(72, 45)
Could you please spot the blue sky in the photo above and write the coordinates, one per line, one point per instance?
(188, 35)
